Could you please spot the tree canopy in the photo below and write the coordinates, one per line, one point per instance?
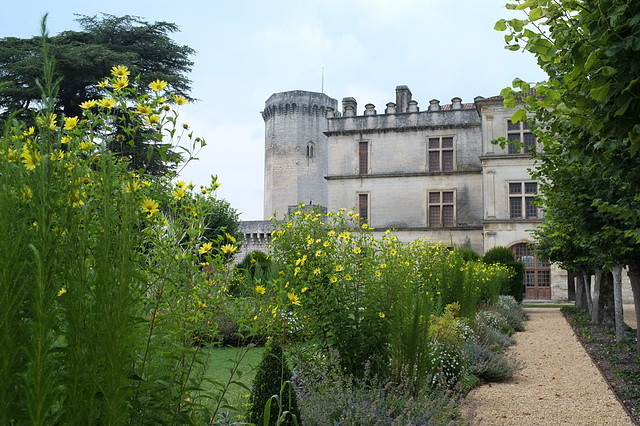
(588, 118)
(84, 57)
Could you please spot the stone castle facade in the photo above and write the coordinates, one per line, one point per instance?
(433, 173)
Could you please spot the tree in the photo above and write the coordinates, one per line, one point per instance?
(223, 223)
(273, 396)
(514, 286)
(83, 58)
(590, 50)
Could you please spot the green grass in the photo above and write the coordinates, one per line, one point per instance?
(544, 305)
(225, 359)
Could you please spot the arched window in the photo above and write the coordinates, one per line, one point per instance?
(537, 273)
(310, 150)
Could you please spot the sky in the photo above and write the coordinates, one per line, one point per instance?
(246, 50)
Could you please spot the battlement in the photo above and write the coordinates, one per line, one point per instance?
(298, 102)
(404, 114)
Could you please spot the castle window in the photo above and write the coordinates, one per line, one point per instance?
(310, 149)
(440, 154)
(522, 196)
(363, 208)
(363, 158)
(520, 131)
(441, 208)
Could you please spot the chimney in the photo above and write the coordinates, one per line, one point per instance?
(434, 105)
(403, 96)
(413, 106)
(349, 107)
(456, 103)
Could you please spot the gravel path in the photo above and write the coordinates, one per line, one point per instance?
(558, 386)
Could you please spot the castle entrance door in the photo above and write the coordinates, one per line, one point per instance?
(537, 273)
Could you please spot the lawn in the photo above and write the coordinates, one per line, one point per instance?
(224, 360)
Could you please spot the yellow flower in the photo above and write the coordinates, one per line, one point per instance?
(180, 100)
(295, 300)
(357, 250)
(339, 268)
(260, 289)
(365, 226)
(233, 239)
(304, 289)
(331, 233)
(76, 200)
(381, 314)
(144, 109)
(12, 155)
(378, 273)
(120, 83)
(316, 271)
(120, 71)
(153, 119)
(205, 248)
(178, 193)
(347, 277)
(65, 139)
(88, 104)
(295, 272)
(107, 102)
(157, 85)
(181, 184)
(30, 161)
(70, 123)
(163, 100)
(62, 291)
(326, 244)
(150, 206)
(228, 248)
(132, 186)
(202, 305)
(29, 132)
(26, 194)
(85, 145)
(333, 279)
(103, 83)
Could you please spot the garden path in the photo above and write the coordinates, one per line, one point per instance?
(558, 386)
(629, 312)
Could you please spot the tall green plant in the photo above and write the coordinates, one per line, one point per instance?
(108, 287)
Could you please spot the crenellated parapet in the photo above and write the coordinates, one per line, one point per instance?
(298, 102)
(402, 115)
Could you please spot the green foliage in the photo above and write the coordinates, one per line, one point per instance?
(328, 397)
(223, 223)
(82, 59)
(354, 289)
(108, 302)
(273, 382)
(514, 286)
(468, 254)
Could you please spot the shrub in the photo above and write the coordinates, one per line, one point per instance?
(488, 365)
(511, 311)
(468, 254)
(515, 285)
(328, 397)
(272, 394)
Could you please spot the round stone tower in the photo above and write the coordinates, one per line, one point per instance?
(295, 161)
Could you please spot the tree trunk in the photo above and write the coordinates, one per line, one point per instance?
(634, 278)
(607, 307)
(587, 291)
(581, 297)
(595, 312)
(617, 300)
